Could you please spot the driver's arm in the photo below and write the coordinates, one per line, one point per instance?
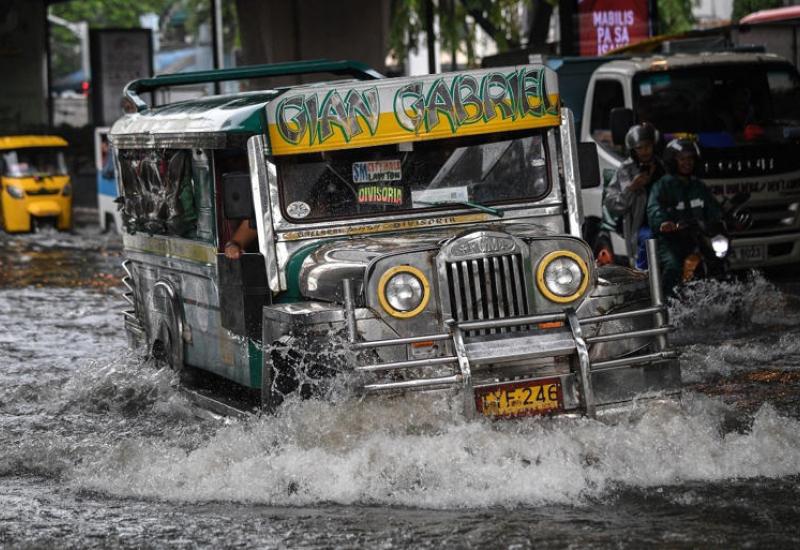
(656, 213)
(243, 237)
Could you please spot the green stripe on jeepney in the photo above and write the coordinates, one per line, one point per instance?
(256, 358)
(171, 248)
(293, 266)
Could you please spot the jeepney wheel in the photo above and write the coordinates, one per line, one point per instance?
(168, 349)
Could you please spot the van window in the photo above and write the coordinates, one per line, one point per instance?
(167, 192)
(608, 94)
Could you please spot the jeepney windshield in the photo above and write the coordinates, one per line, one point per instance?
(497, 169)
(34, 161)
(720, 99)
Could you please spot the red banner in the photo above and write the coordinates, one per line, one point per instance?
(608, 24)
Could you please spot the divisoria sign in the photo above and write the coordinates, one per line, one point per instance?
(381, 112)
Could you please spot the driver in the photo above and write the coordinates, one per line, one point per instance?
(626, 194)
(677, 200)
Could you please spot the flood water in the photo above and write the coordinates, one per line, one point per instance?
(100, 449)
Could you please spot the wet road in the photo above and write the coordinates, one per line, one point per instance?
(98, 449)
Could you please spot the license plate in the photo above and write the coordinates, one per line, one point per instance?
(520, 398)
(751, 253)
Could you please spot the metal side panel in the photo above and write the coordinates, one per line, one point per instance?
(623, 384)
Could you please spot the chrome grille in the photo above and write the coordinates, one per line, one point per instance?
(770, 217)
(487, 288)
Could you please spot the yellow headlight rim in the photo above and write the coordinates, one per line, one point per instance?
(384, 280)
(547, 260)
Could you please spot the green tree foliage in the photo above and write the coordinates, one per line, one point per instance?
(675, 16)
(458, 20)
(745, 7)
(125, 14)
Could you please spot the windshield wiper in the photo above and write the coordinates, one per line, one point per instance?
(469, 204)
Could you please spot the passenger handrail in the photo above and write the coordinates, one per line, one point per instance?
(289, 68)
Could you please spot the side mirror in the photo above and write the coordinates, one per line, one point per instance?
(621, 122)
(588, 164)
(237, 196)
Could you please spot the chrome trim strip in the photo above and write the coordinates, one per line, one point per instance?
(415, 384)
(259, 184)
(572, 177)
(632, 334)
(466, 372)
(516, 321)
(622, 315)
(584, 366)
(409, 364)
(398, 341)
(656, 296)
(613, 364)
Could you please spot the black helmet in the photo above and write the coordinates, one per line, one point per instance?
(638, 134)
(676, 146)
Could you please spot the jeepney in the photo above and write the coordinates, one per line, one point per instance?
(430, 225)
(35, 188)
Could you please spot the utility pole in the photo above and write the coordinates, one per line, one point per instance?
(216, 39)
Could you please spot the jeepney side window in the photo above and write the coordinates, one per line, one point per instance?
(608, 94)
(163, 193)
(232, 165)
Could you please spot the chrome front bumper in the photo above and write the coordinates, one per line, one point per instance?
(589, 385)
(779, 249)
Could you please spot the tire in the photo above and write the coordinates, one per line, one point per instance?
(167, 349)
(110, 224)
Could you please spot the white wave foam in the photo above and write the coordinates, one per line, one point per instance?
(403, 452)
(719, 309)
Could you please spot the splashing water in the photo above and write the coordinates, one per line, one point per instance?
(721, 309)
(118, 426)
(406, 453)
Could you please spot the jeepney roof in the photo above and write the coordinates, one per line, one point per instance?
(348, 114)
(212, 121)
(21, 142)
(657, 63)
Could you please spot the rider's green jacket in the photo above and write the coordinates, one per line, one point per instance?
(677, 199)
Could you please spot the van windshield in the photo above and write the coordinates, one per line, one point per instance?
(372, 181)
(721, 99)
(25, 163)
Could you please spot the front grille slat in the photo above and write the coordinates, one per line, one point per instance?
(469, 302)
(455, 291)
(491, 287)
(519, 294)
(477, 293)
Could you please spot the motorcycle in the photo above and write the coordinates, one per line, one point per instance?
(710, 243)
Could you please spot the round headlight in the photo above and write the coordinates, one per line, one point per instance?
(403, 291)
(562, 276)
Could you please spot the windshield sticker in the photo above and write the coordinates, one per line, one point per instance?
(379, 170)
(432, 197)
(645, 89)
(298, 209)
(380, 194)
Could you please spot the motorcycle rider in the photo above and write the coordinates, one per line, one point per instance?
(676, 200)
(626, 194)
